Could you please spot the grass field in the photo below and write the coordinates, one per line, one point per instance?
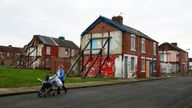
(11, 77)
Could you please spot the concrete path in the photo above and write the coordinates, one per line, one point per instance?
(33, 89)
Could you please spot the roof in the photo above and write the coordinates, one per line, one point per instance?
(173, 46)
(123, 28)
(56, 42)
(190, 59)
(10, 49)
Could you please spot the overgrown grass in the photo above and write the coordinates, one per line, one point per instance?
(11, 77)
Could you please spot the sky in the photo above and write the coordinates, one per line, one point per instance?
(162, 20)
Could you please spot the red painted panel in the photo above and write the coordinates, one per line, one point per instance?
(106, 70)
(54, 51)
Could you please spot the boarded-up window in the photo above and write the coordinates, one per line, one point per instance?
(132, 64)
(142, 65)
(47, 62)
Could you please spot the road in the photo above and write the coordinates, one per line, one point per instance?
(168, 93)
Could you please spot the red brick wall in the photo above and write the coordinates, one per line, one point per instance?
(126, 46)
(54, 53)
(148, 49)
(102, 27)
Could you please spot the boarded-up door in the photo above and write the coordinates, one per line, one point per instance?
(147, 69)
(126, 67)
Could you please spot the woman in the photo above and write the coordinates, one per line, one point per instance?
(61, 75)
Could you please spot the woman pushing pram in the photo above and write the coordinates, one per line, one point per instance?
(61, 75)
(56, 80)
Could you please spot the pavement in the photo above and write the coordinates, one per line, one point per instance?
(34, 89)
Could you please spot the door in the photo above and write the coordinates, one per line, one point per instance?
(126, 67)
(147, 69)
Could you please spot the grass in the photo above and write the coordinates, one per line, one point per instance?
(11, 77)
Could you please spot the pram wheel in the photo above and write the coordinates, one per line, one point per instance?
(39, 94)
(53, 94)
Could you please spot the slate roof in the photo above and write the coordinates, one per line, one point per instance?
(56, 42)
(173, 46)
(10, 49)
(123, 28)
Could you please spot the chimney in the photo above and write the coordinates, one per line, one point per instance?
(9, 46)
(175, 44)
(61, 38)
(118, 19)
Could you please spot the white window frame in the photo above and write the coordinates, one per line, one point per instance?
(143, 58)
(154, 48)
(48, 50)
(8, 54)
(143, 45)
(133, 41)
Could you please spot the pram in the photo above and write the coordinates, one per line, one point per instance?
(48, 85)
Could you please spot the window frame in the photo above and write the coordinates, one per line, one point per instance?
(133, 42)
(143, 50)
(48, 52)
(143, 65)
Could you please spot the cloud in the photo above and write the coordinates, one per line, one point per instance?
(163, 20)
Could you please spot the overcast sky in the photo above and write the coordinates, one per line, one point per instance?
(162, 20)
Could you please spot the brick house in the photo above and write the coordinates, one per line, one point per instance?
(190, 63)
(9, 55)
(49, 52)
(111, 49)
(173, 59)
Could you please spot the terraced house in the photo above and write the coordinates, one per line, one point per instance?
(49, 52)
(111, 49)
(173, 60)
(9, 55)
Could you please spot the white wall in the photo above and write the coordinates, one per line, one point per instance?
(115, 41)
(118, 67)
(130, 72)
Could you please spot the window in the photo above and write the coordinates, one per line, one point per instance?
(94, 44)
(161, 56)
(143, 45)
(154, 48)
(132, 42)
(47, 62)
(66, 52)
(132, 64)
(8, 54)
(142, 65)
(48, 50)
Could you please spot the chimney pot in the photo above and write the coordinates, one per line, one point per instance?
(118, 19)
(174, 43)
